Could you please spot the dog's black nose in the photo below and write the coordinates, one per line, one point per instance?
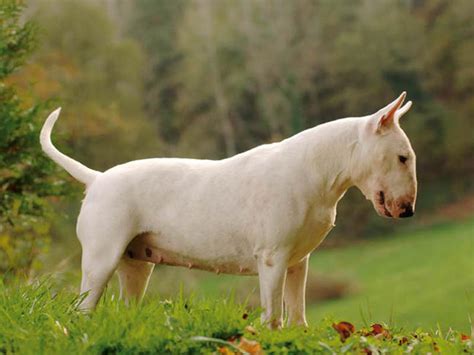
(408, 211)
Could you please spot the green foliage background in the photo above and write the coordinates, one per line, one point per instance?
(27, 177)
(224, 76)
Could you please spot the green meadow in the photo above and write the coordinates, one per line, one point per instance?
(423, 278)
(38, 320)
(405, 282)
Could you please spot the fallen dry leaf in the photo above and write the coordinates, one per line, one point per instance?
(379, 331)
(345, 329)
(250, 346)
(377, 328)
(403, 340)
(225, 351)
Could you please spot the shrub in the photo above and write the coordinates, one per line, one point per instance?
(26, 175)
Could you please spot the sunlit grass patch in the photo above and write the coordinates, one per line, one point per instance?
(37, 318)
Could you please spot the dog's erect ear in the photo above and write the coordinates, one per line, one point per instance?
(388, 116)
(402, 110)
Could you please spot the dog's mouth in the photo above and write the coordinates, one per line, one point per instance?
(382, 207)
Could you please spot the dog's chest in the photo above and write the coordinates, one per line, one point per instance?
(318, 223)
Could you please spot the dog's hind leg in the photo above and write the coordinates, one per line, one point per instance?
(98, 265)
(133, 277)
(103, 246)
(95, 277)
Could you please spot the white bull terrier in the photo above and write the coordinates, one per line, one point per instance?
(260, 212)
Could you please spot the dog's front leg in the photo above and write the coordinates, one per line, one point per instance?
(295, 287)
(272, 274)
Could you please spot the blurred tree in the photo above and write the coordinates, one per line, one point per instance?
(155, 24)
(97, 76)
(448, 77)
(216, 88)
(228, 75)
(27, 177)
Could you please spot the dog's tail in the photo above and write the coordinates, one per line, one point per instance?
(73, 167)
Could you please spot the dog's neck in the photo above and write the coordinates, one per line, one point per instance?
(328, 157)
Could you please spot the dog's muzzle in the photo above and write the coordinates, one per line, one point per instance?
(394, 210)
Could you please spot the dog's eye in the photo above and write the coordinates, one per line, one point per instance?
(402, 159)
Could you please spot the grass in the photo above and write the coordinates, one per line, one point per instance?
(418, 284)
(37, 320)
(423, 278)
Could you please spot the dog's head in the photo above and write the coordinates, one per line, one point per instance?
(386, 165)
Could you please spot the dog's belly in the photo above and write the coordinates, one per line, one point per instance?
(219, 259)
